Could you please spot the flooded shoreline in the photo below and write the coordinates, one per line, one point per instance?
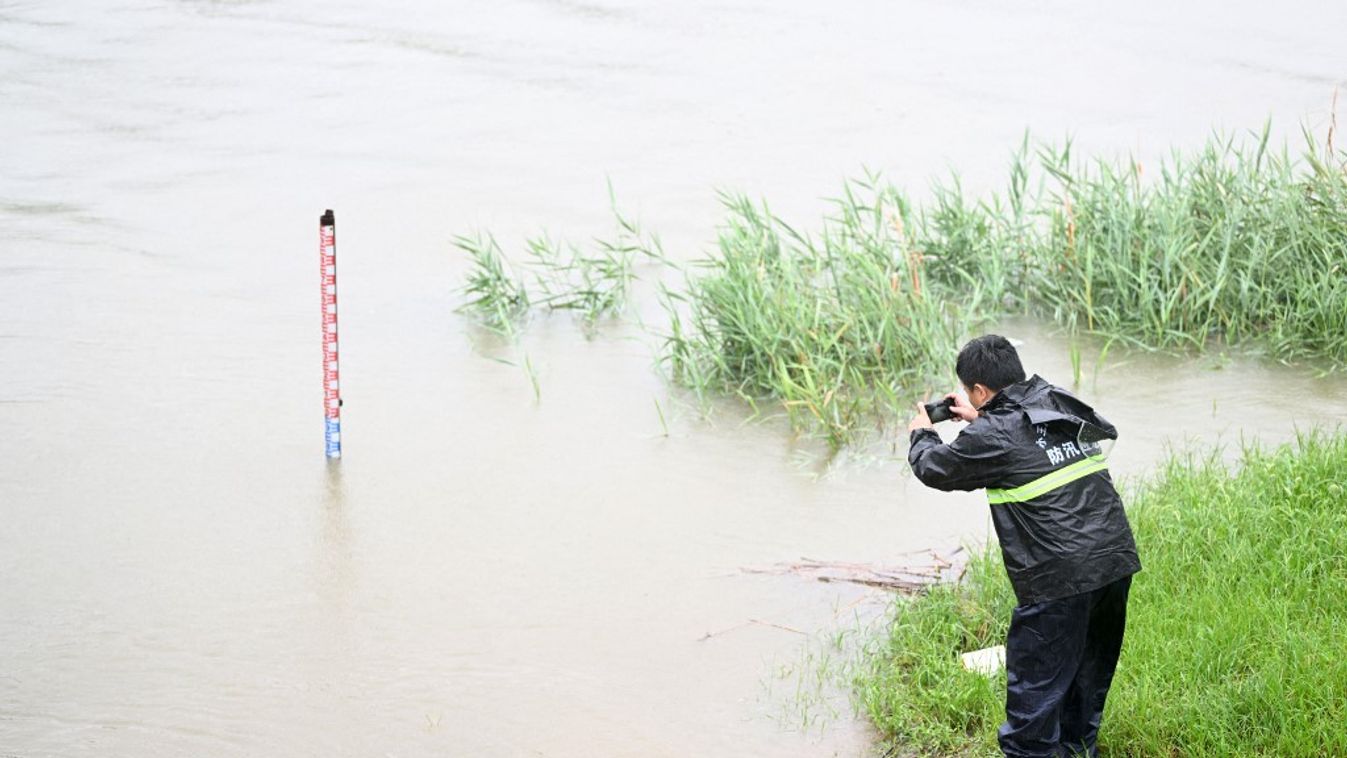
(493, 574)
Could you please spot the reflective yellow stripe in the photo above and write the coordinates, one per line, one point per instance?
(1045, 484)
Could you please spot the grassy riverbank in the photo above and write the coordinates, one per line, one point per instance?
(1236, 632)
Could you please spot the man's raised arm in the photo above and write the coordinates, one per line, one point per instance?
(974, 460)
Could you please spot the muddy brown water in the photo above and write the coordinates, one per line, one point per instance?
(486, 574)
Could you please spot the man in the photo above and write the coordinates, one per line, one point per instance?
(1067, 546)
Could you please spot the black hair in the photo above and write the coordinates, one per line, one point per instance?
(989, 360)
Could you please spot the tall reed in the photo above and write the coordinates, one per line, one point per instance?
(1235, 242)
(834, 328)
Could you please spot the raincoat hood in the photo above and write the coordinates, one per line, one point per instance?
(1044, 403)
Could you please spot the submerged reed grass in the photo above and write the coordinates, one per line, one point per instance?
(1236, 243)
(1235, 633)
(556, 275)
(494, 293)
(833, 328)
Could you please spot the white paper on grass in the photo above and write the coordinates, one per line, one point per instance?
(987, 661)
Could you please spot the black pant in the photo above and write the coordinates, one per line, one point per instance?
(1060, 657)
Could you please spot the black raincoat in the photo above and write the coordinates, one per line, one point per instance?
(1036, 449)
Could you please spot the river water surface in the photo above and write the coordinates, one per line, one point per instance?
(487, 573)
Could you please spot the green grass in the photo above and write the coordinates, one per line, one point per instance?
(1237, 626)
